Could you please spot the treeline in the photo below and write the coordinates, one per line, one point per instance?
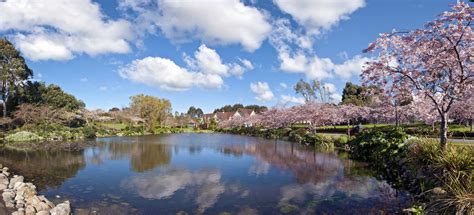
(235, 107)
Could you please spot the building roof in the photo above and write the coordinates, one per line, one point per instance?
(245, 112)
(223, 116)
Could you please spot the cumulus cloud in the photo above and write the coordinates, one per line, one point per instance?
(351, 67)
(205, 70)
(165, 74)
(286, 99)
(219, 22)
(317, 15)
(262, 91)
(208, 61)
(61, 29)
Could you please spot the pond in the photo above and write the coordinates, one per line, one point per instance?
(205, 173)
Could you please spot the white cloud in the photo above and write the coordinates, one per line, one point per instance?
(248, 64)
(103, 88)
(220, 22)
(330, 88)
(351, 67)
(283, 85)
(61, 29)
(262, 91)
(335, 97)
(205, 70)
(83, 80)
(165, 74)
(317, 15)
(321, 68)
(285, 99)
(208, 61)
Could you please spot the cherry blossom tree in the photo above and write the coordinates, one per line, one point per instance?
(434, 62)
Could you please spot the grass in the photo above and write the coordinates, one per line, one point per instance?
(453, 170)
(351, 126)
(112, 125)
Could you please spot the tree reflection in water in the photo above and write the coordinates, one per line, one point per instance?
(143, 155)
(45, 168)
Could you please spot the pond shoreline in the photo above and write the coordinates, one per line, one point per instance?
(21, 198)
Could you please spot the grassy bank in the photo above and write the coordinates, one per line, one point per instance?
(454, 131)
(61, 136)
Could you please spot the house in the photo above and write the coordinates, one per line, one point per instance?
(244, 112)
(225, 116)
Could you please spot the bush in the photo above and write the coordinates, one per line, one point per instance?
(23, 136)
(341, 141)
(376, 145)
(89, 132)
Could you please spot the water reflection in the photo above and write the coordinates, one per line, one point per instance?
(206, 173)
(143, 155)
(45, 168)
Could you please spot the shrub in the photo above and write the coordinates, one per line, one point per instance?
(89, 132)
(376, 145)
(341, 141)
(452, 170)
(23, 136)
(297, 135)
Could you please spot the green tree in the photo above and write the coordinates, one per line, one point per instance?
(153, 110)
(55, 97)
(195, 112)
(51, 95)
(312, 91)
(14, 72)
(356, 95)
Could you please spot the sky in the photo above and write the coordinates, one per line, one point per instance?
(205, 53)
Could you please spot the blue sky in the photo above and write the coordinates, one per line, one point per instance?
(105, 51)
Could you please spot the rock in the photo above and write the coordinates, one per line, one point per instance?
(20, 211)
(30, 210)
(14, 180)
(438, 191)
(3, 186)
(34, 200)
(45, 200)
(19, 185)
(3, 179)
(62, 209)
(8, 196)
(9, 205)
(26, 190)
(43, 213)
(20, 204)
(42, 207)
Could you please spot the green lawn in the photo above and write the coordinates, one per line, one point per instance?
(112, 125)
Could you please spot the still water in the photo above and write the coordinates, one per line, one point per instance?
(205, 173)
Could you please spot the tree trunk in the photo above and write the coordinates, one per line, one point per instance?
(471, 124)
(348, 128)
(4, 106)
(443, 132)
(396, 117)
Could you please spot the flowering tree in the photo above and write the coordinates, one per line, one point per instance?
(434, 62)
